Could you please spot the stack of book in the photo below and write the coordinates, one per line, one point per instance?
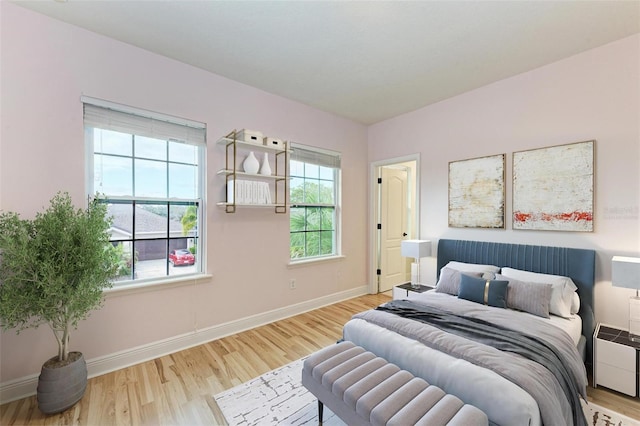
(248, 192)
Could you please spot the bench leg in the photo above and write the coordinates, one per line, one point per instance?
(320, 409)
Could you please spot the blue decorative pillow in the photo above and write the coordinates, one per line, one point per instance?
(487, 292)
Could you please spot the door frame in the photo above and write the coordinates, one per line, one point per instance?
(374, 204)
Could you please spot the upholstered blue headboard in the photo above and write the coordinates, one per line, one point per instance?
(577, 264)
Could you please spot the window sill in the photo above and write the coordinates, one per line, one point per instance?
(153, 285)
(314, 260)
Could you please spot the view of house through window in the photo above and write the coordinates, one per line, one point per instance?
(150, 174)
(314, 202)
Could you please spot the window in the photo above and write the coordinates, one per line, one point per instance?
(314, 198)
(150, 171)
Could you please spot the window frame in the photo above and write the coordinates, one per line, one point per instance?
(323, 157)
(200, 195)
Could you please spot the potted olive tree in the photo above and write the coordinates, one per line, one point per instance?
(53, 270)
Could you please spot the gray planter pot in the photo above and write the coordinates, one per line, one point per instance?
(61, 386)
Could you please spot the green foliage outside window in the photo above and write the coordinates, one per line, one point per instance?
(312, 228)
(189, 220)
(125, 260)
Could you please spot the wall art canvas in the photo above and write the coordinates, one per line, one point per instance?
(553, 188)
(476, 192)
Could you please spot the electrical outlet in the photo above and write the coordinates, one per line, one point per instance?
(292, 283)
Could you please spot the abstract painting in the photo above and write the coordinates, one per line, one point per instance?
(476, 192)
(553, 188)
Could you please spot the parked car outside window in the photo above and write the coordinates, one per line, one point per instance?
(181, 257)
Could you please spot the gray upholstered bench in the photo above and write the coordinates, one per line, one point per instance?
(363, 389)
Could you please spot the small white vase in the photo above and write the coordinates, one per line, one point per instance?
(251, 164)
(266, 168)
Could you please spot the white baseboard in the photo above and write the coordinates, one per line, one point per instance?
(27, 385)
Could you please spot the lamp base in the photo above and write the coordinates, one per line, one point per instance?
(415, 275)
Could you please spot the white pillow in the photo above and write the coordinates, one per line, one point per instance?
(562, 288)
(488, 271)
(575, 303)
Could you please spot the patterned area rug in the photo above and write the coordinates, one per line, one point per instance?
(278, 398)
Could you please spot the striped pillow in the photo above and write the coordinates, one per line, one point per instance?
(533, 298)
(449, 281)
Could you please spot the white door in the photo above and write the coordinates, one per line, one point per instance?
(393, 223)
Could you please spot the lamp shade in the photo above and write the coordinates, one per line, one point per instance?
(415, 248)
(625, 272)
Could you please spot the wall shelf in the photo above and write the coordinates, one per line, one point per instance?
(250, 146)
(235, 151)
(244, 175)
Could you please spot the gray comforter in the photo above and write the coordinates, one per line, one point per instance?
(536, 379)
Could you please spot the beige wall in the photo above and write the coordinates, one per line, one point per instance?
(593, 95)
(46, 66)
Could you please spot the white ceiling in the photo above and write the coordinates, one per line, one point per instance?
(367, 61)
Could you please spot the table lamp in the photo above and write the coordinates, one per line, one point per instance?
(416, 249)
(625, 272)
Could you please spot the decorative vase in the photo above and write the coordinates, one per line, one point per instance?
(251, 164)
(266, 168)
(61, 386)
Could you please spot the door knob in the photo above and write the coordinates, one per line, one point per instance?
(404, 234)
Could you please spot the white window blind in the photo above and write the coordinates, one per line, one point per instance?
(320, 157)
(144, 123)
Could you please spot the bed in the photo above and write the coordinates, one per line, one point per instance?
(418, 348)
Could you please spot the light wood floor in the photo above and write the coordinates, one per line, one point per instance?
(178, 388)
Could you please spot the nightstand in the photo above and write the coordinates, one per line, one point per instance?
(616, 360)
(406, 291)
